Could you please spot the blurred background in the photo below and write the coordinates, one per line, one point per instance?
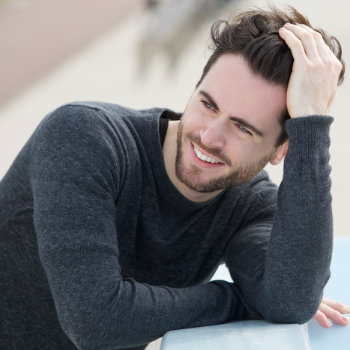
(136, 53)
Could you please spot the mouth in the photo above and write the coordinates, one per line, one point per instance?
(204, 160)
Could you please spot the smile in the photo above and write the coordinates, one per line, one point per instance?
(203, 157)
(204, 161)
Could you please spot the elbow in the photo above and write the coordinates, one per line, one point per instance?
(93, 321)
(291, 312)
(84, 337)
(91, 333)
(91, 338)
(290, 317)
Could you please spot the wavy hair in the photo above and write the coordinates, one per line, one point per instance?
(253, 34)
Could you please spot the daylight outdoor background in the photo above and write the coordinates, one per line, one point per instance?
(53, 52)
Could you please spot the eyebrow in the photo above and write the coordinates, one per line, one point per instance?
(233, 118)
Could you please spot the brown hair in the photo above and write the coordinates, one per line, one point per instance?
(253, 34)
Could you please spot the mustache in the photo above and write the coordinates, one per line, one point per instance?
(216, 152)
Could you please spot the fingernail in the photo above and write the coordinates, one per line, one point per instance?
(329, 323)
(345, 319)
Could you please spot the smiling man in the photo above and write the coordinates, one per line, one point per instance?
(112, 220)
(223, 139)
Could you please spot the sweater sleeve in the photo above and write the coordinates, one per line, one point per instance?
(280, 258)
(76, 173)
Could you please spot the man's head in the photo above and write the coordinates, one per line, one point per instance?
(233, 123)
(229, 129)
(254, 35)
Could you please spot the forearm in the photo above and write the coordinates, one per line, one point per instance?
(280, 258)
(96, 307)
(129, 313)
(299, 253)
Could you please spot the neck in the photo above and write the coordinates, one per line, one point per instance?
(169, 155)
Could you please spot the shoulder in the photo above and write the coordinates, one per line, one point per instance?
(71, 128)
(259, 188)
(91, 120)
(262, 184)
(77, 143)
(90, 135)
(255, 198)
(78, 133)
(79, 116)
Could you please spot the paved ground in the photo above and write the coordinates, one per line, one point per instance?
(108, 69)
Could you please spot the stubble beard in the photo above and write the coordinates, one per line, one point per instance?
(191, 177)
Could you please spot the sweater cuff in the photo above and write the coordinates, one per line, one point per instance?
(308, 140)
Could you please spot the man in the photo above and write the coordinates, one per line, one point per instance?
(112, 221)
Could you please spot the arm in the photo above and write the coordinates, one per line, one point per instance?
(290, 249)
(280, 257)
(76, 176)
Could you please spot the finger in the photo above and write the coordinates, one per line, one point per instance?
(307, 39)
(342, 308)
(321, 318)
(294, 44)
(324, 51)
(322, 48)
(333, 314)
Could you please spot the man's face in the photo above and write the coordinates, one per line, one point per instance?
(230, 127)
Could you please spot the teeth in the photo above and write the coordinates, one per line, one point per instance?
(203, 157)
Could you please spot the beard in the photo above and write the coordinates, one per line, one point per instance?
(192, 177)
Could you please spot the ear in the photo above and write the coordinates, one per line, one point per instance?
(280, 153)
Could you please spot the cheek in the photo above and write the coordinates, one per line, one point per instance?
(235, 150)
(192, 124)
(194, 114)
(243, 152)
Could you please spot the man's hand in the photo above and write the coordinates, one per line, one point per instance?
(332, 310)
(315, 73)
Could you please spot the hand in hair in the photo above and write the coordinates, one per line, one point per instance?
(313, 82)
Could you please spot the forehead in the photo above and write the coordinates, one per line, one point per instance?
(242, 93)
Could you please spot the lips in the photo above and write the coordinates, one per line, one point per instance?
(203, 160)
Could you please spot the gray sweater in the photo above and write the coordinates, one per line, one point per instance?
(98, 248)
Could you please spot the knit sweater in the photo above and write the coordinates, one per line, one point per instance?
(98, 249)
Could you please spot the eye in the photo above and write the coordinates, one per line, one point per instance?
(243, 129)
(208, 105)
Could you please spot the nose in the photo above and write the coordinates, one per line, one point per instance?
(212, 133)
